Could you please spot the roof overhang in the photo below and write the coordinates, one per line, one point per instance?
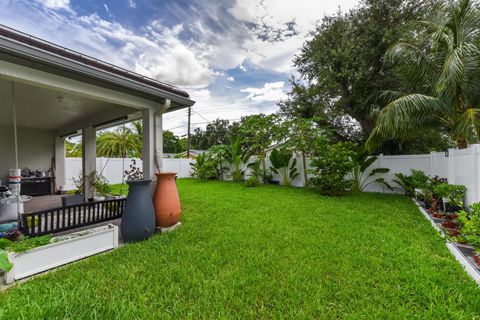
(24, 50)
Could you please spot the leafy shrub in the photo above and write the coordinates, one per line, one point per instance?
(470, 225)
(281, 165)
(406, 182)
(454, 193)
(202, 168)
(419, 179)
(98, 183)
(252, 182)
(330, 170)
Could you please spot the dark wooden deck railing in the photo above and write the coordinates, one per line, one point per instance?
(71, 217)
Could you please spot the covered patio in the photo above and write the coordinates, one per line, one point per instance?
(49, 93)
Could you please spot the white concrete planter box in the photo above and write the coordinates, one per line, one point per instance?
(63, 250)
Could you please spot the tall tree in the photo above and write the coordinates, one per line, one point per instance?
(449, 64)
(72, 149)
(342, 65)
(120, 143)
(215, 133)
(171, 142)
(303, 136)
(258, 132)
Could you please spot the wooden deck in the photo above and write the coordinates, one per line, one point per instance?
(41, 203)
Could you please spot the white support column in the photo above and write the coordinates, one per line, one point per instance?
(158, 142)
(148, 149)
(60, 164)
(89, 164)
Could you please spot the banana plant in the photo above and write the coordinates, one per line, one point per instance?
(237, 157)
(361, 161)
(281, 165)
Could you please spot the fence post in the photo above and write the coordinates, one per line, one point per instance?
(451, 166)
(476, 187)
(380, 187)
(432, 168)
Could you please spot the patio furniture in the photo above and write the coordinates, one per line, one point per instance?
(73, 200)
(36, 186)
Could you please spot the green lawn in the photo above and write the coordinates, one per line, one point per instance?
(267, 252)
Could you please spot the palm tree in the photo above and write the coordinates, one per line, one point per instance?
(449, 66)
(121, 143)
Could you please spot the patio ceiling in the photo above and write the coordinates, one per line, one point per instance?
(50, 109)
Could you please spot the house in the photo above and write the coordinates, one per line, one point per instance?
(57, 93)
(193, 154)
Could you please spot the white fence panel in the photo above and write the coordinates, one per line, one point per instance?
(180, 166)
(113, 168)
(458, 166)
(463, 165)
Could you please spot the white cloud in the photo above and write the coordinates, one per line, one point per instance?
(154, 51)
(282, 27)
(230, 78)
(271, 91)
(132, 4)
(56, 4)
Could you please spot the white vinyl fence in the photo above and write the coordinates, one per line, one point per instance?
(113, 168)
(458, 166)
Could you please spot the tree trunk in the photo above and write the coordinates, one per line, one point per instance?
(264, 170)
(462, 143)
(304, 160)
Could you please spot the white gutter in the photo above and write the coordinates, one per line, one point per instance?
(158, 134)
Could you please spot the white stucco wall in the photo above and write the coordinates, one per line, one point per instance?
(35, 149)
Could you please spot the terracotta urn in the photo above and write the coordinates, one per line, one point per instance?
(166, 200)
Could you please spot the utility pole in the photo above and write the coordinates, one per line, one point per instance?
(188, 134)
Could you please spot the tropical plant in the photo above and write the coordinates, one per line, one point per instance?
(252, 182)
(120, 143)
(331, 168)
(257, 133)
(303, 136)
(454, 194)
(406, 182)
(237, 157)
(419, 179)
(202, 168)
(449, 64)
(470, 225)
(72, 149)
(361, 161)
(218, 155)
(281, 165)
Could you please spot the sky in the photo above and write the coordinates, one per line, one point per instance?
(234, 57)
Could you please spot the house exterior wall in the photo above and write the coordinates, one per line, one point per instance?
(36, 148)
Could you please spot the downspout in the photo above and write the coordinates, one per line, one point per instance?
(158, 133)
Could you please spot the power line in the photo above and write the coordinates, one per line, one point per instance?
(201, 116)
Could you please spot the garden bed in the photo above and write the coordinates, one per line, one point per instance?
(62, 250)
(462, 252)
